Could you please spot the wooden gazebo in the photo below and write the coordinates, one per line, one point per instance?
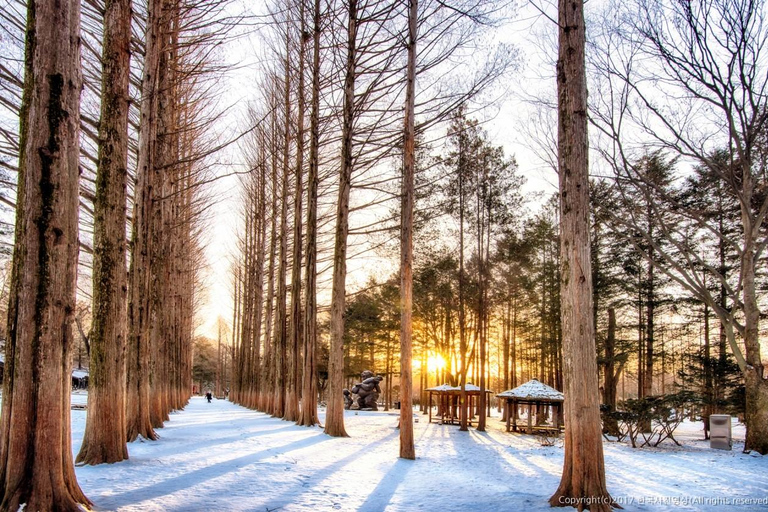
(538, 397)
(448, 402)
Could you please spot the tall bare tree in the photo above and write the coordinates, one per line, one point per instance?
(334, 419)
(138, 374)
(710, 110)
(308, 415)
(296, 330)
(583, 480)
(36, 467)
(407, 449)
(104, 439)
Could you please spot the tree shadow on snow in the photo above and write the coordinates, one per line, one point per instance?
(380, 497)
(292, 494)
(193, 478)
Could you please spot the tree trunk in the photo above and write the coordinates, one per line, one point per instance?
(407, 450)
(610, 425)
(266, 395)
(281, 315)
(334, 420)
(308, 415)
(756, 386)
(138, 354)
(650, 315)
(36, 466)
(709, 393)
(583, 480)
(254, 380)
(297, 321)
(463, 405)
(104, 439)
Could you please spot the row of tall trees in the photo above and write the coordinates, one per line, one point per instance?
(140, 338)
(360, 78)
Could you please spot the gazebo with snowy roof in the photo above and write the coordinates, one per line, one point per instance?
(534, 394)
(448, 402)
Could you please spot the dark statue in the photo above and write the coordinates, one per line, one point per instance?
(364, 395)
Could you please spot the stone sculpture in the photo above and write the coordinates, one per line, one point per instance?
(364, 395)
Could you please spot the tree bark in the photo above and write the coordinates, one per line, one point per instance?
(104, 438)
(36, 466)
(756, 386)
(308, 415)
(281, 320)
(138, 362)
(407, 450)
(610, 425)
(583, 480)
(334, 419)
(296, 330)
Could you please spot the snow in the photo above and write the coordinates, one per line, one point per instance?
(79, 374)
(446, 387)
(533, 390)
(219, 456)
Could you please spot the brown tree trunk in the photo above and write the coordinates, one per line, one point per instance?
(583, 480)
(236, 385)
(36, 466)
(255, 379)
(281, 320)
(334, 419)
(407, 450)
(463, 405)
(161, 227)
(610, 425)
(138, 374)
(266, 395)
(650, 315)
(104, 438)
(709, 392)
(308, 415)
(756, 386)
(297, 321)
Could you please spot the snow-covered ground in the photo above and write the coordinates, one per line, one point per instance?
(222, 457)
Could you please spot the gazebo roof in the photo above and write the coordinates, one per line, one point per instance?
(445, 388)
(442, 387)
(534, 390)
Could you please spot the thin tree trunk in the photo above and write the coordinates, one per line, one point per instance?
(334, 421)
(281, 320)
(650, 316)
(708, 386)
(266, 398)
(610, 425)
(297, 321)
(463, 405)
(104, 439)
(36, 466)
(407, 450)
(308, 415)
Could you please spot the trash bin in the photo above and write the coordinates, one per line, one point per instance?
(720, 436)
(397, 405)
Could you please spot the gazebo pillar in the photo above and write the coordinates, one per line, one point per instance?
(530, 419)
(555, 415)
